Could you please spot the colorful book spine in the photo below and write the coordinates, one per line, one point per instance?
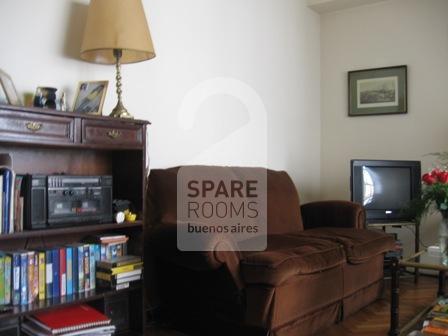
(103, 252)
(48, 274)
(8, 268)
(30, 276)
(62, 272)
(42, 281)
(69, 263)
(75, 269)
(15, 278)
(7, 176)
(86, 267)
(92, 266)
(24, 278)
(36, 277)
(2, 279)
(81, 285)
(56, 277)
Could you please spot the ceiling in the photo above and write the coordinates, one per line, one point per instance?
(326, 6)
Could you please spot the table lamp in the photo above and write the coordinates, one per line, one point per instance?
(117, 32)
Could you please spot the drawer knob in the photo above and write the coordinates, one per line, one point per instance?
(113, 134)
(34, 126)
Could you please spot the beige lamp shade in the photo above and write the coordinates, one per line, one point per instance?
(116, 24)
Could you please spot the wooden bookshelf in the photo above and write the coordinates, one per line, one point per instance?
(85, 229)
(79, 144)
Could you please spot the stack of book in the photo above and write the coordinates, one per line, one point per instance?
(12, 192)
(120, 272)
(112, 246)
(437, 320)
(75, 320)
(26, 276)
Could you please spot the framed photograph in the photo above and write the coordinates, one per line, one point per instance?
(90, 97)
(8, 93)
(377, 91)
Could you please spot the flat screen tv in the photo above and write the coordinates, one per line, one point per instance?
(385, 188)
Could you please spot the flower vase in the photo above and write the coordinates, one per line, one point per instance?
(443, 239)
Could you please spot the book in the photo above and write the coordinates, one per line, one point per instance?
(8, 280)
(2, 200)
(56, 268)
(121, 269)
(18, 204)
(15, 286)
(86, 262)
(92, 271)
(35, 289)
(75, 269)
(2, 278)
(30, 276)
(115, 282)
(62, 272)
(23, 277)
(6, 173)
(32, 329)
(69, 263)
(435, 330)
(105, 239)
(48, 273)
(109, 277)
(42, 281)
(81, 285)
(70, 319)
(120, 261)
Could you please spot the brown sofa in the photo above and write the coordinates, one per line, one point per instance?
(320, 265)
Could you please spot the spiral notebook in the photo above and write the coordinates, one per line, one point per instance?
(70, 319)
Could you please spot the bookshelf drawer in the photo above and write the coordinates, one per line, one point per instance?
(28, 127)
(111, 133)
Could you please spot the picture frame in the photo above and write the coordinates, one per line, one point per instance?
(8, 92)
(377, 91)
(90, 97)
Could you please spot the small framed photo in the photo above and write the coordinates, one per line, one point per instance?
(90, 97)
(377, 91)
(8, 93)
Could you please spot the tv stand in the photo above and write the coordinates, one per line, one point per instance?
(416, 224)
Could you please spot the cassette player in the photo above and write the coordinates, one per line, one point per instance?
(61, 200)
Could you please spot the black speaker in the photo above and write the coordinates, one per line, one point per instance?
(36, 202)
(107, 196)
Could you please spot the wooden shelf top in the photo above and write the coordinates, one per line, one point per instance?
(58, 302)
(69, 114)
(85, 228)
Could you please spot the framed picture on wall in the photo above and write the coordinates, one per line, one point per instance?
(377, 91)
(90, 97)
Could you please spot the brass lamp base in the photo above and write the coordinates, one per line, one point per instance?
(120, 111)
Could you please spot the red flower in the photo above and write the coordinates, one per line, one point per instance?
(442, 176)
(435, 172)
(429, 178)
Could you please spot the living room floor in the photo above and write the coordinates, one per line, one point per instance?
(373, 320)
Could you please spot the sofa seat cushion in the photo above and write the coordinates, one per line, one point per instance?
(359, 244)
(290, 255)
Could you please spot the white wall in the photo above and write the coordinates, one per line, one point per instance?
(268, 53)
(395, 32)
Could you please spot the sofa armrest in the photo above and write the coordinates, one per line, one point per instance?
(221, 251)
(333, 214)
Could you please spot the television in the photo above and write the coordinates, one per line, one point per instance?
(385, 188)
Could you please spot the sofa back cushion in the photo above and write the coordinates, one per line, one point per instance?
(283, 208)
